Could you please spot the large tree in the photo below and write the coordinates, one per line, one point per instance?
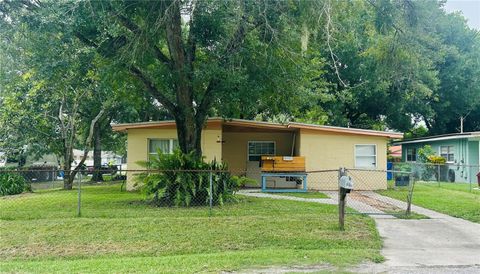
(194, 55)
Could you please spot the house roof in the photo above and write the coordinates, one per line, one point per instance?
(395, 151)
(450, 136)
(263, 125)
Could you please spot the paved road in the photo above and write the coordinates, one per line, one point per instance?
(442, 244)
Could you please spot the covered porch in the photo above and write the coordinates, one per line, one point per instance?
(244, 144)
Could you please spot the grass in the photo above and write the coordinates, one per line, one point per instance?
(402, 215)
(310, 195)
(453, 199)
(119, 232)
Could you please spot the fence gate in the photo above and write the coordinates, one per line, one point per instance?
(374, 194)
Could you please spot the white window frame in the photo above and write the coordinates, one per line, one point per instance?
(248, 149)
(406, 154)
(355, 155)
(448, 153)
(170, 145)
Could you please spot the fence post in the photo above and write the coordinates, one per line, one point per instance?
(410, 195)
(341, 201)
(79, 202)
(438, 174)
(53, 179)
(211, 193)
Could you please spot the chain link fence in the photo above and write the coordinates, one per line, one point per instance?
(203, 189)
(367, 196)
(449, 175)
(51, 189)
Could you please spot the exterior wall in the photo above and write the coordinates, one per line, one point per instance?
(324, 150)
(137, 146)
(235, 146)
(464, 153)
(473, 160)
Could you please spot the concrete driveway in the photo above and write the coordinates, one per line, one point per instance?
(441, 244)
(440, 241)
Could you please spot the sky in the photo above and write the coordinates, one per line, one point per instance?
(469, 8)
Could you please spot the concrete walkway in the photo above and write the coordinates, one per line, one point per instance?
(444, 243)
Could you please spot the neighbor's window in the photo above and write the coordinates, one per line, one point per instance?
(257, 149)
(165, 145)
(411, 154)
(366, 156)
(448, 152)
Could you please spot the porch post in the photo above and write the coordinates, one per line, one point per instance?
(264, 183)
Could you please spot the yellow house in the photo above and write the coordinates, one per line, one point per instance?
(241, 143)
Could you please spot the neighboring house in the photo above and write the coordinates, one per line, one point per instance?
(460, 150)
(241, 143)
(108, 157)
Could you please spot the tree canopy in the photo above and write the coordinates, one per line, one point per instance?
(370, 64)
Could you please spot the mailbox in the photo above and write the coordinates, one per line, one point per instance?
(346, 182)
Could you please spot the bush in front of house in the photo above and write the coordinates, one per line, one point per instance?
(12, 183)
(180, 179)
(432, 163)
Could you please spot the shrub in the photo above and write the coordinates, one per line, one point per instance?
(429, 170)
(12, 183)
(437, 160)
(180, 179)
(424, 153)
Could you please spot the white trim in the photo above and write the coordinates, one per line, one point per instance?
(253, 141)
(170, 145)
(355, 155)
(406, 155)
(439, 139)
(448, 153)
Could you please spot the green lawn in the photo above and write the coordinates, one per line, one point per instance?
(118, 232)
(311, 195)
(453, 199)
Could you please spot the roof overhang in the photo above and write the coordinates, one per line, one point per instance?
(469, 135)
(265, 126)
(355, 131)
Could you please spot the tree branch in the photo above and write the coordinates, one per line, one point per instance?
(85, 40)
(192, 39)
(206, 102)
(88, 142)
(130, 25)
(152, 89)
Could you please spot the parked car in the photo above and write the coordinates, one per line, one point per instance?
(104, 169)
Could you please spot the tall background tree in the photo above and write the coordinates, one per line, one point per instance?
(381, 64)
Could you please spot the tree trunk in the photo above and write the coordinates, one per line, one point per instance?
(97, 155)
(189, 135)
(67, 169)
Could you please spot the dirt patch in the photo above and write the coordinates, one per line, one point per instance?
(378, 204)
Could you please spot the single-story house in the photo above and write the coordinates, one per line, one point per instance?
(241, 143)
(460, 150)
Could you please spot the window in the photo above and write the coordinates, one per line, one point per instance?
(411, 154)
(256, 149)
(365, 156)
(165, 145)
(448, 152)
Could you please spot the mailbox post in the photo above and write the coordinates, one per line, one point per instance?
(345, 184)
